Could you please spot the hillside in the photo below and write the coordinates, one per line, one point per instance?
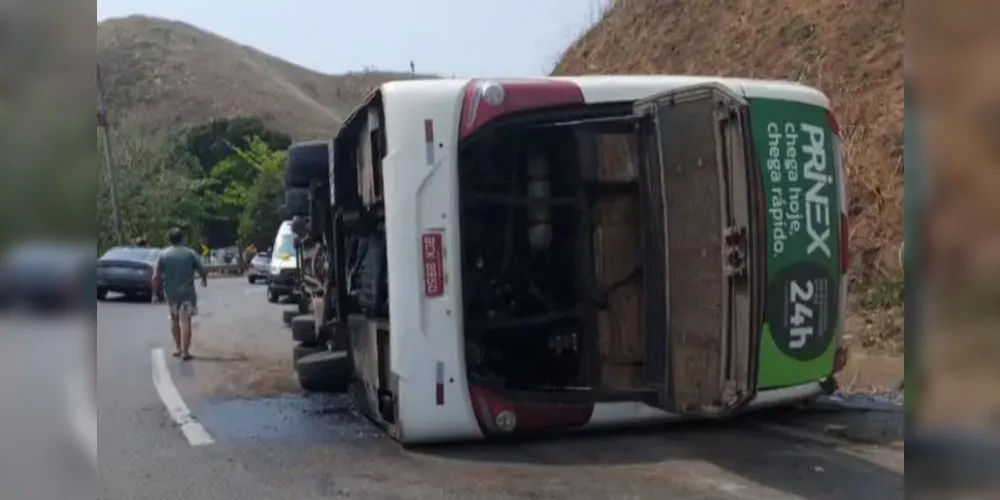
(853, 52)
(166, 74)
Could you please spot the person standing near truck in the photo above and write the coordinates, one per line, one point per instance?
(175, 270)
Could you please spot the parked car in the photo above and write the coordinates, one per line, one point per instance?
(283, 269)
(259, 267)
(128, 270)
(45, 275)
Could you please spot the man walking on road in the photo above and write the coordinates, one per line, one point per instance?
(175, 269)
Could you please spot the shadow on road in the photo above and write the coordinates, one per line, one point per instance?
(797, 466)
(876, 427)
(956, 461)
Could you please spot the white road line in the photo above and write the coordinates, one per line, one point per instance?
(179, 412)
(83, 414)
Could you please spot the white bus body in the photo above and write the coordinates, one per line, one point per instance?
(413, 376)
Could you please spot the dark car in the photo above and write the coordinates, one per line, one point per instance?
(45, 275)
(128, 270)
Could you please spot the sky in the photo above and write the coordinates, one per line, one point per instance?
(486, 38)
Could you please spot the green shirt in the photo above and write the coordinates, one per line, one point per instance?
(177, 266)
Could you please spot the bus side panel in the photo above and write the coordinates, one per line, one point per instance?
(796, 150)
(421, 196)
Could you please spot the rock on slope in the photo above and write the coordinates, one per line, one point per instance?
(853, 51)
(161, 74)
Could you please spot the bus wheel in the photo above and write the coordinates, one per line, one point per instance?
(307, 162)
(327, 371)
(304, 329)
(302, 350)
(302, 303)
(287, 315)
(296, 202)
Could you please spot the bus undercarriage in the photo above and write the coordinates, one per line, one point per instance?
(565, 253)
(539, 301)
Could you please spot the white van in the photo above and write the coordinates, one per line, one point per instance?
(553, 254)
(282, 276)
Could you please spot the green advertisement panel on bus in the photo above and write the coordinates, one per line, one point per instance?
(795, 150)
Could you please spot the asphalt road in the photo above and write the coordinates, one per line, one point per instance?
(269, 442)
(40, 457)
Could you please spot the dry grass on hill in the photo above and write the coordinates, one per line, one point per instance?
(163, 74)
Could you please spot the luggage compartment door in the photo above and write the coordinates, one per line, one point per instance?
(696, 194)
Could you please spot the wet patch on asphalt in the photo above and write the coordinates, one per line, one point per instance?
(876, 419)
(289, 419)
(325, 441)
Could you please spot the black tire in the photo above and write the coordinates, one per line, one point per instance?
(296, 202)
(252, 279)
(147, 297)
(304, 329)
(272, 296)
(829, 385)
(287, 315)
(302, 350)
(102, 294)
(327, 371)
(307, 162)
(333, 335)
(319, 212)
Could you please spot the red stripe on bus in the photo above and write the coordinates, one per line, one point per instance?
(429, 131)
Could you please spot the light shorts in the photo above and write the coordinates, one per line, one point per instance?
(184, 309)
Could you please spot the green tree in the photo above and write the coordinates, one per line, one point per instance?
(48, 174)
(215, 141)
(161, 185)
(225, 174)
(155, 187)
(260, 200)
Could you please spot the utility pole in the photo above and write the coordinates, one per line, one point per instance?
(109, 162)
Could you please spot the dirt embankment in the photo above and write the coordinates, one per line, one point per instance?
(852, 51)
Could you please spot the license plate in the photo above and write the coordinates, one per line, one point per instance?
(433, 256)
